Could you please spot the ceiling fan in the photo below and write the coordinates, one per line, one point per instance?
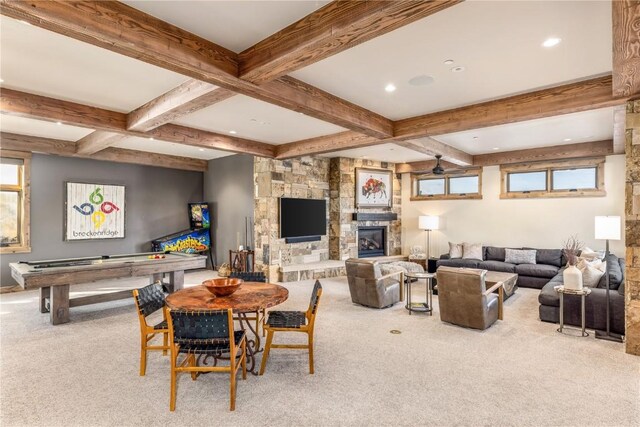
(438, 170)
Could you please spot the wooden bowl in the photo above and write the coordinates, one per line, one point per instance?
(223, 286)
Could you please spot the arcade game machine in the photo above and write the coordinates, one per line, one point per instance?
(196, 239)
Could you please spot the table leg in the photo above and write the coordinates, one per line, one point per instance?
(59, 304)
(44, 296)
(582, 314)
(176, 280)
(157, 277)
(561, 312)
(253, 345)
(409, 296)
(430, 295)
(500, 302)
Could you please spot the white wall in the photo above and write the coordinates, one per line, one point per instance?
(538, 223)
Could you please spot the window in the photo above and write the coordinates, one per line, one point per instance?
(14, 202)
(459, 184)
(562, 178)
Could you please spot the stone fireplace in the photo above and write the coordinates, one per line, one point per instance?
(372, 241)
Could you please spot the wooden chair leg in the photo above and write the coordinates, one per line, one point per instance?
(172, 401)
(264, 317)
(244, 359)
(267, 349)
(143, 355)
(192, 363)
(165, 342)
(311, 354)
(233, 388)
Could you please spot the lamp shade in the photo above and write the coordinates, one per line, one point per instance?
(428, 222)
(608, 227)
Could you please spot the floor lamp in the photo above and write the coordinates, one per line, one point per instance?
(428, 223)
(608, 228)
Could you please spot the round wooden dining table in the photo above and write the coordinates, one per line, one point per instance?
(251, 297)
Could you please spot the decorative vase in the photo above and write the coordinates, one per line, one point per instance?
(572, 278)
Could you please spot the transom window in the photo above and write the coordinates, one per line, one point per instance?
(14, 202)
(562, 178)
(460, 184)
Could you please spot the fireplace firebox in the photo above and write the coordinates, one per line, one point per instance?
(372, 241)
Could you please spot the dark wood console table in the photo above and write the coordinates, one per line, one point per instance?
(239, 261)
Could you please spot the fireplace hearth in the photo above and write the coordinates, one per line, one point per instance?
(372, 241)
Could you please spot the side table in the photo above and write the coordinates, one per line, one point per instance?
(424, 307)
(583, 294)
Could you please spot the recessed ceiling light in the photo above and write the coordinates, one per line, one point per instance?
(1, 81)
(448, 62)
(200, 149)
(567, 139)
(422, 80)
(151, 138)
(24, 22)
(475, 137)
(59, 123)
(496, 148)
(390, 87)
(458, 69)
(551, 42)
(232, 132)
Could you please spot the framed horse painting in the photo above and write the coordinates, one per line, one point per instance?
(374, 188)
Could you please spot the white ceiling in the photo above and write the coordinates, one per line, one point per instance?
(235, 25)
(25, 126)
(38, 61)
(391, 153)
(258, 120)
(498, 42)
(594, 125)
(163, 147)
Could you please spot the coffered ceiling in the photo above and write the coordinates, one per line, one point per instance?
(460, 55)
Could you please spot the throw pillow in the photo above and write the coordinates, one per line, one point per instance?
(589, 254)
(472, 251)
(591, 276)
(455, 250)
(520, 256)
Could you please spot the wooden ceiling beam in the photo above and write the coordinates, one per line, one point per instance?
(122, 29)
(34, 144)
(424, 166)
(191, 96)
(327, 31)
(325, 144)
(433, 147)
(97, 141)
(569, 98)
(626, 48)
(555, 152)
(43, 108)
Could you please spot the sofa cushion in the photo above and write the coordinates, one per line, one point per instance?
(549, 256)
(472, 251)
(520, 256)
(537, 270)
(498, 266)
(493, 253)
(548, 295)
(616, 273)
(458, 262)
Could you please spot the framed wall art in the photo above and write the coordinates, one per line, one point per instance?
(94, 211)
(374, 188)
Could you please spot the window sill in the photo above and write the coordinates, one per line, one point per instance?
(554, 194)
(447, 197)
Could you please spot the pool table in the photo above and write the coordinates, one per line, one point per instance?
(54, 277)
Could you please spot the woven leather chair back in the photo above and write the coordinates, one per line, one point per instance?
(315, 297)
(201, 327)
(254, 276)
(149, 299)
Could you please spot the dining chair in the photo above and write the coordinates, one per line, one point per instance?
(149, 300)
(253, 276)
(208, 333)
(293, 321)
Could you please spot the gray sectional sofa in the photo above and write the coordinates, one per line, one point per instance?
(548, 264)
(546, 274)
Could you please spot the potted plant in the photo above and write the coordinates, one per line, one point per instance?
(572, 276)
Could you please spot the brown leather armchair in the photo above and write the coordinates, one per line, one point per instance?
(369, 287)
(464, 299)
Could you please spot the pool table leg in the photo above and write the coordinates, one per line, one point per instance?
(45, 291)
(176, 279)
(157, 277)
(59, 304)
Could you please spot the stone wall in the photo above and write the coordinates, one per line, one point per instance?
(632, 229)
(305, 177)
(343, 229)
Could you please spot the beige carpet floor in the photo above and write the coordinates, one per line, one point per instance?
(518, 372)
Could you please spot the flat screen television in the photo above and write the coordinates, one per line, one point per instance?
(302, 219)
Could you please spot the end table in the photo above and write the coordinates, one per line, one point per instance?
(583, 293)
(427, 306)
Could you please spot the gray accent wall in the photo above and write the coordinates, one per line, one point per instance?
(156, 205)
(228, 187)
